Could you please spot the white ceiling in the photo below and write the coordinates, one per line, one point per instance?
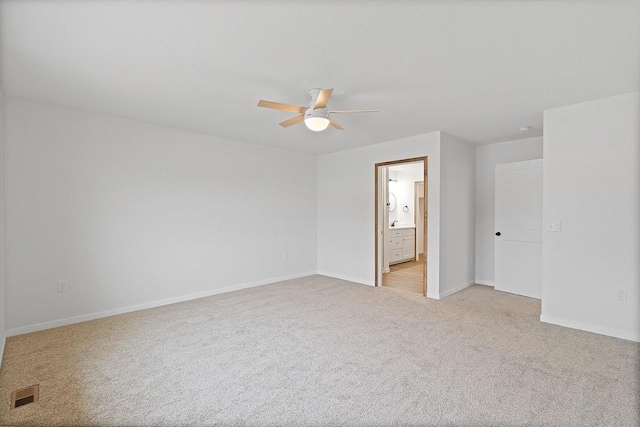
(476, 69)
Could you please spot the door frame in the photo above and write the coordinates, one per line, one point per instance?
(425, 219)
(416, 211)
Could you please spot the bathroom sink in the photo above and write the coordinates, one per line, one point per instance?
(402, 226)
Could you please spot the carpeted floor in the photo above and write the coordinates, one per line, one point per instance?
(321, 351)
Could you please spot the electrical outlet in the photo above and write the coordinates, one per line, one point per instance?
(621, 294)
(62, 286)
(286, 256)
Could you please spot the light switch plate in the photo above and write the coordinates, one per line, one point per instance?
(555, 226)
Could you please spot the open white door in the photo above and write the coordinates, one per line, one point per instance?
(382, 265)
(418, 216)
(518, 219)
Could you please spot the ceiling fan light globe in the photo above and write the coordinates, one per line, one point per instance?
(316, 124)
(316, 120)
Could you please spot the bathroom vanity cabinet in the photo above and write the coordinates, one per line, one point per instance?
(402, 245)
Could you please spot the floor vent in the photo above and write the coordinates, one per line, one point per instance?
(25, 396)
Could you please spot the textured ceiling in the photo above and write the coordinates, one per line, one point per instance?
(476, 69)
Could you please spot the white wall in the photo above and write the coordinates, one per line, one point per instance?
(3, 319)
(592, 185)
(457, 215)
(487, 157)
(393, 189)
(346, 207)
(132, 214)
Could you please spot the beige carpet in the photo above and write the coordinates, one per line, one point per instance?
(320, 351)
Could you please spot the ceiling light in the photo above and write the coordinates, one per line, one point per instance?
(525, 129)
(316, 120)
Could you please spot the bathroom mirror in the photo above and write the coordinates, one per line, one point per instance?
(392, 202)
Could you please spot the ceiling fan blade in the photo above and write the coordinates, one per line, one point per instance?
(292, 121)
(323, 98)
(335, 125)
(283, 107)
(353, 111)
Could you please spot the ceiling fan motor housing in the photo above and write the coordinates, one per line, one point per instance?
(320, 113)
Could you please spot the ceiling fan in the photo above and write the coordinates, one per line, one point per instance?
(316, 116)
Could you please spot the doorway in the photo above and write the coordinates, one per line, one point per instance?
(401, 220)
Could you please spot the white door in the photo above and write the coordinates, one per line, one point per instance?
(383, 218)
(419, 217)
(518, 219)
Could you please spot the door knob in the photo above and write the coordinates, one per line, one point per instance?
(498, 233)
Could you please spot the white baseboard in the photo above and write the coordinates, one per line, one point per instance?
(152, 304)
(456, 289)
(3, 340)
(616, 333)
(347, 278)
(485, 282)
(433, 295)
